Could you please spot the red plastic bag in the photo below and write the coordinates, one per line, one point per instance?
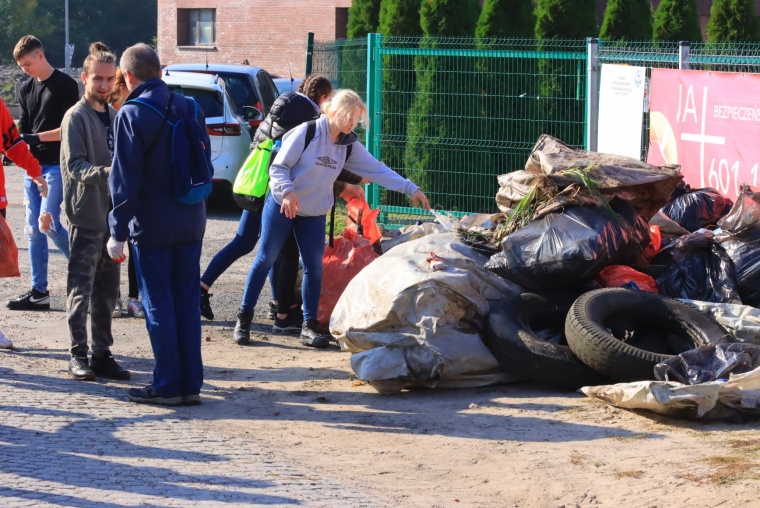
(8, 251)
(349, 255)
(653, 248)
(359, 212)
(621, 276)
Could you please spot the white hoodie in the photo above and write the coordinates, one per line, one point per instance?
(312, 172)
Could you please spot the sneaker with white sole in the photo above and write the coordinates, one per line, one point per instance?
(5, 342)
(118, 308)
(291, 324)
(33, 300)
(148, 396)
(135, 308)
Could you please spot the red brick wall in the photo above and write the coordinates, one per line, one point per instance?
(268, 33)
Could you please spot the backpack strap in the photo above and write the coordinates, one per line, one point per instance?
(165, 120)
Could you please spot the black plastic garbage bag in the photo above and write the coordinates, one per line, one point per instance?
(745, 214)
(564, 250)
(697, 268)
(744, 251)
(709, 363)
(696, 208)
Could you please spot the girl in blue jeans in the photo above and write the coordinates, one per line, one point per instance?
(286, 112)
(301, 193)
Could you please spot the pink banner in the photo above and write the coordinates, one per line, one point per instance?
(709, 123)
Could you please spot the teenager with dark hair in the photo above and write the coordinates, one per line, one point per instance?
(44, 100)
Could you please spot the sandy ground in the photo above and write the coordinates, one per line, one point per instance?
(516, 445)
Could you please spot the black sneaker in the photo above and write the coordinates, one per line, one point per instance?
(107, 367)
(79, 369)
(191, 400)
(290, 324)
(311, 337)
(242, 333)
(148, 396)
(33, 300)
(206, 304)
(272, 313)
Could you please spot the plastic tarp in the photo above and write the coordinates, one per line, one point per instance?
(715, 400)
(712, 382)
(408, 233)
(741, 321)
(645, 186)
(412, 317)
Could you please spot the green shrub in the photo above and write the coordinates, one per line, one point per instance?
(676, 20)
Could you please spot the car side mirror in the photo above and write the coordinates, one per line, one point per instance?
(251, 113)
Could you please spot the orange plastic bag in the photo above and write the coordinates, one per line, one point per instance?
(621, 276)
(656, 242)
(348, 256)
(359, 213)
(8, 251)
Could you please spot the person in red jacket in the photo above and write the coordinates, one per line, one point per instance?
(19, 153)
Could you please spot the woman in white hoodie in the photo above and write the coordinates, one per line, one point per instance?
(301, 183)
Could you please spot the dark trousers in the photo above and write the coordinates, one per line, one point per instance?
(93, 282)
(169, 279)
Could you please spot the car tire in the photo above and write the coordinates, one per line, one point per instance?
(623, 333)
(517, 331)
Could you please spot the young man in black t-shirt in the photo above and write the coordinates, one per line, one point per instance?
(44, 100)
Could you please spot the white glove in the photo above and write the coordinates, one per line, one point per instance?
(116, 250)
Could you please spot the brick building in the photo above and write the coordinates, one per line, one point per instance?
(269, 33)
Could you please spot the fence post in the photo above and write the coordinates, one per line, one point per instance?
(309, 52)
(592, 93)
(374, 97)
(684, 50)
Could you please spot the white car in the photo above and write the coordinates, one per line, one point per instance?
(229, 133)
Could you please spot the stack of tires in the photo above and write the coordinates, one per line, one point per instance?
(603, 336)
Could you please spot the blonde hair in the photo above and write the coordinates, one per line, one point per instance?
(342, 104)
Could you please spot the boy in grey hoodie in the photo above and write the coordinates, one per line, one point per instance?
(301, 184)
(87, 144)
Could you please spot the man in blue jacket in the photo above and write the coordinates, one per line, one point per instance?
(166, 234)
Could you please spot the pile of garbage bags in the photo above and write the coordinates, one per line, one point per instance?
(597, 269)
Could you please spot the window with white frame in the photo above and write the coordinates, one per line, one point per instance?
(196, 27)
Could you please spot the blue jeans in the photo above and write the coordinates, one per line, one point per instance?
(169, 280)
(275, 230)
(243, 243)
(38, 241)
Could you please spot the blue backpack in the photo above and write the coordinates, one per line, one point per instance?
(191, 152)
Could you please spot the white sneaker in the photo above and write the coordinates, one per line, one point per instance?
(5, 342)
(117, 310)
(135, 308)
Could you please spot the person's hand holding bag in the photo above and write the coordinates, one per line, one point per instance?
(116, 250)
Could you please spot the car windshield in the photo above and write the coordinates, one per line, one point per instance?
(210, 101)
(240, 92)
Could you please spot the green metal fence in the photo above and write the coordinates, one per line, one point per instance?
(452, 114)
